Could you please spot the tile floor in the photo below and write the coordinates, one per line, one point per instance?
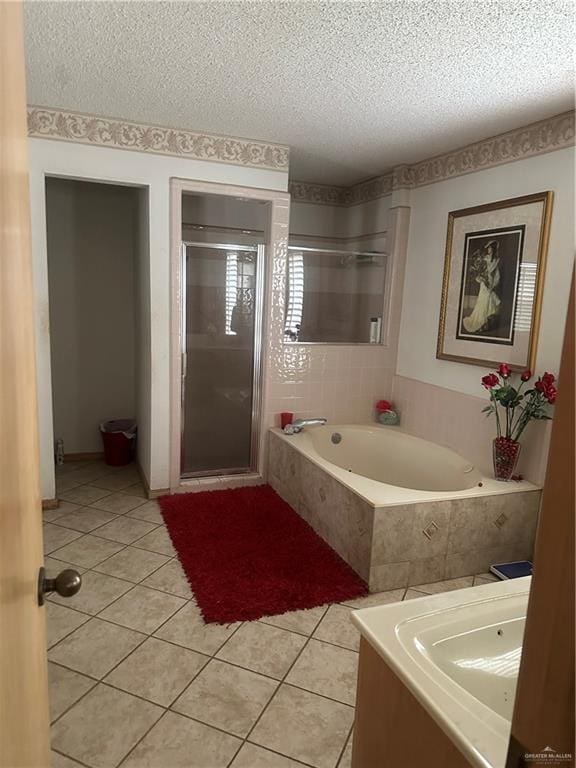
(138, 680)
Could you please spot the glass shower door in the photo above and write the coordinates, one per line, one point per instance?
(222, 330)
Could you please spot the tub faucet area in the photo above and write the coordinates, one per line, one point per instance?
(299, 424)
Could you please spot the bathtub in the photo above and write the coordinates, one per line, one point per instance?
(401, 510)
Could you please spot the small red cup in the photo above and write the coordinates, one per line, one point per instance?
(286, 418)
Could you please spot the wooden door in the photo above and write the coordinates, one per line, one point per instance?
(544, 710)
(24, 719)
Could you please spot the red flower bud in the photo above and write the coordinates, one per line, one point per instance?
(504, 370)
(490, 380)
(548, 379)
(526, 375)
(383, 405)
(540, 386)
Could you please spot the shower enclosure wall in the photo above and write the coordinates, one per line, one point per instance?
(220, 279)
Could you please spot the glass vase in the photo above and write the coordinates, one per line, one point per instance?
(505, 454)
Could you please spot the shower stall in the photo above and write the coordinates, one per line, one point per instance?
(221, 333)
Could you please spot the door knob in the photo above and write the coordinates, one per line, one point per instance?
(66, 584)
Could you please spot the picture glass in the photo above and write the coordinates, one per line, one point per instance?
(493, 275)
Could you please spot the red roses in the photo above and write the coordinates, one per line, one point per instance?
(490, 380)
(517, 407)
(383, 405)
(545, 385)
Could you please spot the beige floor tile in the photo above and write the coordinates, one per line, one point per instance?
(304, 622)
(61, 761)
(479, 580)
(49, 515)
(263, 648)
(304, 726)
(136, 490)
(170, 578)
(157, 671)
(54, 566)
(336, 627)
(104, 726)
(377, 598)
(177, 742)
(65, 483)
(412, 594)
(86, 519)
(251, 756)
(55, 537)
(143, 609)
(87, 551)
(226, 697)
(150, 511)
(132, 564)
(118, 503)
(346, 759)
(114, 482)
(125, 529)
(85, 494)
(97, 591)
(65, 688)
(61, 621)
(95, 648)
(437, 587)
(487, 576)
(328, 670)
(187, 628)
(157, 541)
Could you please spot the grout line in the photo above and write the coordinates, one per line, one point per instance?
(341, 755)
(63, 754)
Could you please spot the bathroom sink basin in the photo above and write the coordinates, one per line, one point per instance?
(459, 654)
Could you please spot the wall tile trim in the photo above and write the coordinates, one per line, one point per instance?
(65, 125)
(520, 144)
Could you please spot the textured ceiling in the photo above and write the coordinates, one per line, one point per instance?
(353, 87)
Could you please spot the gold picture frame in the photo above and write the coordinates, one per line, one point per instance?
(494, 268)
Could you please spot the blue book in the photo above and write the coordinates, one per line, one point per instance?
(512, 570)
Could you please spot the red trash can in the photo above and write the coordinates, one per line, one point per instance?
(119, 438)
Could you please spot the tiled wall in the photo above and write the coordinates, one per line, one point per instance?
(456, 420)
(338, 382)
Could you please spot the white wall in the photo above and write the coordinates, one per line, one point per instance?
(425, 262)
(92, 248)
(57, 158)
(445, 411)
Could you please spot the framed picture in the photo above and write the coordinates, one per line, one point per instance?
(493, 281)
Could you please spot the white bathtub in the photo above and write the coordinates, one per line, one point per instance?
(385, 465)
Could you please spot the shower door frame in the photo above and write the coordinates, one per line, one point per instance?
(257, 336)
(275, 243)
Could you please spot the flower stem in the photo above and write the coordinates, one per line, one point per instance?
(498, 429)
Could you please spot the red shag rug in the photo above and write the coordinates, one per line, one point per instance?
(248, 554)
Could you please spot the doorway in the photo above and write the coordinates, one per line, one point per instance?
(94, 243)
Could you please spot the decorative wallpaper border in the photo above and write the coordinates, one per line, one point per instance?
(63, 125)
(536, 139)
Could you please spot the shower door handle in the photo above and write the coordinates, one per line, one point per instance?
(184, 364)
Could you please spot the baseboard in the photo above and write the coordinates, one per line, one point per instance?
(150, 494)
(88, 456)
(50, 504)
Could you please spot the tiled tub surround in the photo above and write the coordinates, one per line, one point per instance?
(395, 537)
